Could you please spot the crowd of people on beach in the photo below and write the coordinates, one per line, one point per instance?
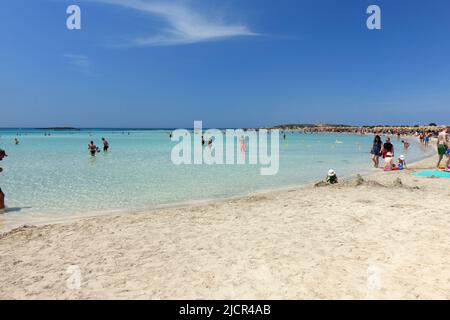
(386, 151)
(430, 131)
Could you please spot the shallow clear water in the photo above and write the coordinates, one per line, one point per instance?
(55, 176)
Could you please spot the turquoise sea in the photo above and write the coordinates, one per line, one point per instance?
(55, 177)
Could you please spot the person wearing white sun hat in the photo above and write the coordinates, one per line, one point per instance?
(332, 177)
(401, 162)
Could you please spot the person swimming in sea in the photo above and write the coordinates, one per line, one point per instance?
(92, 148)
(406, 144)
(16, 141)
(105, 145)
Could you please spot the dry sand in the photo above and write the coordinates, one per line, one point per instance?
(379, 239)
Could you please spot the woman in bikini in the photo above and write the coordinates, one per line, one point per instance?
(92, 148)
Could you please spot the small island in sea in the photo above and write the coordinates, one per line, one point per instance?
(60, 128)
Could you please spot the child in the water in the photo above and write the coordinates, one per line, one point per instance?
(401, 162)
(332, 177)
(388, 162)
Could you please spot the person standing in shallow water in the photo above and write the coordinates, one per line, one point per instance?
(105, 145)
(2, 195)
(376, 151)
(405, 144)
(242, 143)
(92, 148)
(387, 147)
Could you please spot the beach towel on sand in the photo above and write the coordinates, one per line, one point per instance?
(432, 173)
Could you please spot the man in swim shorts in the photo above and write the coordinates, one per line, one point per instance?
(443, 144)
(105, 145)
(2, 195)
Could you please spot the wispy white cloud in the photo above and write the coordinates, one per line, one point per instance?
(184, 24)
(81, 63)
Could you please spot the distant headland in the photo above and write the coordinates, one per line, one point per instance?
(342, 128)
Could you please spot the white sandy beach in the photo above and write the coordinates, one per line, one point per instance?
(380, 239)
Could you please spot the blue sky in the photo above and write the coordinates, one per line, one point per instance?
(230, 63)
